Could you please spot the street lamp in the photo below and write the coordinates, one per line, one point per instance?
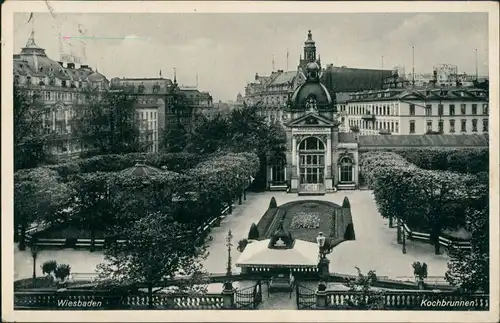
(34, 254)
(229, 244)
(404, 239)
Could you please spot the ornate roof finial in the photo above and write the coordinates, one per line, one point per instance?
(175, 76)
(31, 40)
(309, 35)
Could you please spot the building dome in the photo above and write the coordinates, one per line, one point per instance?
(96, 77)
(312, 66)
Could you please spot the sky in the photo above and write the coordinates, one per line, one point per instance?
(226, 50)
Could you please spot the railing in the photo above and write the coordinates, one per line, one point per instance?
(99, 243)
(103, 300)
(445, 242)
(410, 300)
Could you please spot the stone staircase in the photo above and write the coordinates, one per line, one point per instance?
(312, 190)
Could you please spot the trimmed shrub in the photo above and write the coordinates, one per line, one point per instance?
(272, 203)
(349, 232)
(345, 203)
(62, 272)
(253, 233)
(49, 267)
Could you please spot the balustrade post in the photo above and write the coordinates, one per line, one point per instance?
(321, 296)
(228, 293)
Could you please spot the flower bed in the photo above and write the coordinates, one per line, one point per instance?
(306, 220)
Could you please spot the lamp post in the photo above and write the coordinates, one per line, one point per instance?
(229, 244)
(34, 254)
(404, 238)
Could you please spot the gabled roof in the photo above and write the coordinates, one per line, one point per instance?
(311, 119)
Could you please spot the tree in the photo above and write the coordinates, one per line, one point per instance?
(365, 297)
(175, 138)
(108, 121)
(272, 203)
(346, 203)
(435, 198)
(93, 207)
(469, 269)
(156, 248)
(29, 139)
(39, 196)
(210, 135)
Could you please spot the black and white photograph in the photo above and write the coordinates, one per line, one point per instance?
(196, 158)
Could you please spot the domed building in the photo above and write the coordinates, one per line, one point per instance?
(315, 162)
(57, 85)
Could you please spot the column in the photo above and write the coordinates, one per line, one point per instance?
(328, 156)
(294, 150)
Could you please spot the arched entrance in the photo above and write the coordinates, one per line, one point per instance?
(311, 161)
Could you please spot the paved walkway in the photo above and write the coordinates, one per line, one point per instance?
(375, 246)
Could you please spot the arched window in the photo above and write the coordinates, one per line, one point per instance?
(346, 170)
(311, 143)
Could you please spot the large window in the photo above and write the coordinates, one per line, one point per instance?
(412, 126)
(463, 108)
(474, 109)
(428, 110)
(412, 109)
(452, 109)
(463, 124)
(452, 126)
(485, 108)
(429, 126)
(474, 125)
(311, 143)
(485, 125)
(346, 170)
(312, 161)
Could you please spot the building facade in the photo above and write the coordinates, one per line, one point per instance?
(419, 111)
(58, 87)
(162, 103)
(316, 162)
(271, 92)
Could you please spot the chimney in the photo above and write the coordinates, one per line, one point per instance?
(84, 66)
(256, 76)
(71, 66)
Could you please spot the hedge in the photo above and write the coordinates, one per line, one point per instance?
(469, 160)
(176, 162)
